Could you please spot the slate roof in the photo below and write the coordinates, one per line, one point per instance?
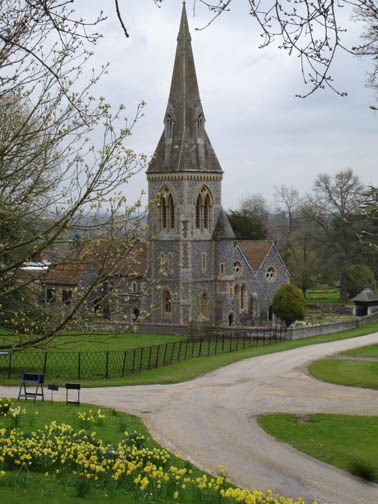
(367, 296)
(182, 152)
(255, 251)
(223, 229)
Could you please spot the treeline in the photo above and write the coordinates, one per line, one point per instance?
(327, 237)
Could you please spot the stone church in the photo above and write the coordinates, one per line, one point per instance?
(196, 270)
(191, 268)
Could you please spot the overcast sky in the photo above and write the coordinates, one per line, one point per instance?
(262, 134)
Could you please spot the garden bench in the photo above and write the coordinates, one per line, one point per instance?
(73, 386)
(27, 380)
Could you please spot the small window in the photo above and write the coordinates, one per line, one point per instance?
(66, 296)
(204, 305)
(134, 287)
(237, 268)
(166, 304)
(271, 274)
(204, 261)
(50, 295)
(243, 298)
(221, 268)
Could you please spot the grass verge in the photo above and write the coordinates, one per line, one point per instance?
(345, 441)
(354, 373)
(365, 351)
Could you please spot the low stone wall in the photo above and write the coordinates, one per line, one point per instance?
(331, 308)
(318, 329)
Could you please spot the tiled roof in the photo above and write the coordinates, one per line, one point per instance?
(255, 251)
(367, 296)
(110, 258)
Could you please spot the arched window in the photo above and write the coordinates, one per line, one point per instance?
(167, 209)
(203, 209)
(243, 298)
(204, 304)
(171, 212)
(166, 304)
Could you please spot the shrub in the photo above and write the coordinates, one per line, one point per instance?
(289, 303)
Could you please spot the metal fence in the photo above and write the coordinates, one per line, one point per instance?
(116, 363)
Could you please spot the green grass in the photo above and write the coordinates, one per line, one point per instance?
(354, 373)
(347, 442)
(95, 342)
(38, 488)
(366, 351)
(189, 369)
(329, 296)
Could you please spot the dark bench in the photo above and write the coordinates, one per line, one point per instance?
(28, 380)
(73, 386)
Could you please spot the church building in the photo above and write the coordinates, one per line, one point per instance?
(196, 270)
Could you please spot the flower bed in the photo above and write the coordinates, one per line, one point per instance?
(77, 457)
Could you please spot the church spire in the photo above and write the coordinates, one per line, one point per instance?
(184, 144)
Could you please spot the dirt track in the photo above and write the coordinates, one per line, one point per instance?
(212, 420)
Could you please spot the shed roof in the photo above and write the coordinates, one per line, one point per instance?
(367, 296)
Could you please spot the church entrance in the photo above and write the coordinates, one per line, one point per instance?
(231, 319)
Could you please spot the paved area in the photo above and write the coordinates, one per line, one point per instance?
(212, 421)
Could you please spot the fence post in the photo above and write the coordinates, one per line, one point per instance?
(216, 343)
(173, 351)
(200, 348)
(10, 365)
(44, 363)
(237, 342)
(133, 365)
(78, 365)
(124, 363)
(208, 348)
(107, 365)
(222, 342)
(157, 356)
(186, 349)
(149, 358)
(165, 353)
(193, 346)
(141, 359)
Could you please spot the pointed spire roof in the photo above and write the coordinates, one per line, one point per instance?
(184, 144)
(223, 229)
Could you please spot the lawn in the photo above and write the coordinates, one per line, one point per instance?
(366, 351)
(104, 456)
(354, 373)
(95, 342)
(347, 442)
(326, 296)
(191, 368)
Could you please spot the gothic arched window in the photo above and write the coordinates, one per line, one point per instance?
(203, 209)
(167, 209)
(204, 304)
(243, 298)
(166, 304)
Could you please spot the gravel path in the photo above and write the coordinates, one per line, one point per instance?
(212, 420)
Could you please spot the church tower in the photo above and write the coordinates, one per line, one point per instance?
(190, 239)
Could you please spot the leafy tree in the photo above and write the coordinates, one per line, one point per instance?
(357, 277)
(246, 227)
(289, 304)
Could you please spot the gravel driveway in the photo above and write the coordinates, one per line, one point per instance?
(212, 420)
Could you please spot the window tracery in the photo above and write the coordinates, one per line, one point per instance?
(203, 209)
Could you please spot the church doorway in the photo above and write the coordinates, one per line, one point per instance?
(231, 319)
(270, 315)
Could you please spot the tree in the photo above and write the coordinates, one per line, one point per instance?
(357, 277)
(52, 174)
(333, 211)
(246, 227)
(289, 304)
